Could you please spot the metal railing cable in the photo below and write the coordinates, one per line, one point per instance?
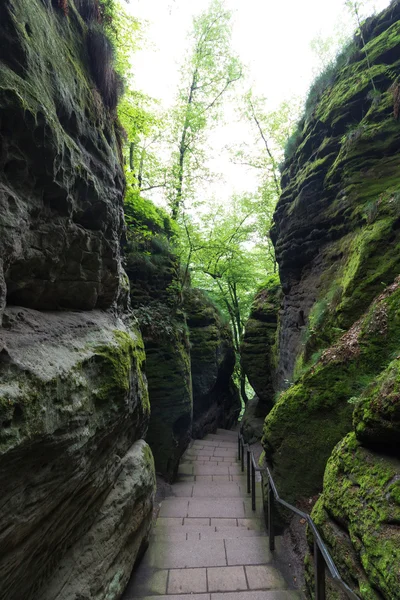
(322, 557)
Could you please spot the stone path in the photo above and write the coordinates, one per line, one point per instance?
(207, 543)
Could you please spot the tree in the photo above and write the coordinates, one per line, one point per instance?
(145, 132)
(223, 257)
(359, 11)
(270, 131)
(208, 73)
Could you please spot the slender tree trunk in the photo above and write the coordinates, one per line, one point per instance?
(131, 155)
(183, 148)
(141, 164)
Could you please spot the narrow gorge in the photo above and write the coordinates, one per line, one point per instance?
(118, 361)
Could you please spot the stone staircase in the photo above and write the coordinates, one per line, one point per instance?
(207, 543)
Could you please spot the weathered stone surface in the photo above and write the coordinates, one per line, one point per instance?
(61, 180)
(377, 412)
(73, 400)
(258, 350)
(336, 226)
(251, 425)
(170, 387)
(314, 414)
(76, 483)
(99, 565)
(358, 515)
(216, 401)
(337, 241)
(153, 270)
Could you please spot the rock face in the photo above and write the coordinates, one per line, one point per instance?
(153, 270)
(251, 424)
(189, 349)
(216, 400)
(337, 238)
(73, 402)
(359, 510)
(76, 479)
(316, 412)
(258, 350)
(61, 181)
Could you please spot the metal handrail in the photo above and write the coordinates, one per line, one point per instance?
(322, 556)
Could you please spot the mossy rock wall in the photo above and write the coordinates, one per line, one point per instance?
(73, 407)
(358, 516)
(312, 416)
(61, 178)
(336, 227)
(216, 400)
(169, 379)
(153, 270)
(77, 481)
(337, 238)
(358, 512)
(258, 349)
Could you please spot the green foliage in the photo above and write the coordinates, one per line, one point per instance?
(145, 218)
(208, 72)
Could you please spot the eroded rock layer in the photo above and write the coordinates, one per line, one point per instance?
(153, 270)
(216, 400)
(61, 180)
(73, 402)
(337, 237)
(76, 480)
(259, 353)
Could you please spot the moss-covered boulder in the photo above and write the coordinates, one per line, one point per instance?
(377, 412)
(216, 400)
(358, 513)
(153, 270)
(61, 177)
(77, 485)
(312, 416)
(359, 518)
(258, 349)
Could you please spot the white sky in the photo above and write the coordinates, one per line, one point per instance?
(272, 38)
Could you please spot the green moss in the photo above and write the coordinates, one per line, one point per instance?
(361, 492)
(313, 415)
(377, 411)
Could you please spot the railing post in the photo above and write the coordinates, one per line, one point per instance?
(319, 573)
(239, 447)
(271, 531)
(242, 457)
(253, 487)
(248, 470)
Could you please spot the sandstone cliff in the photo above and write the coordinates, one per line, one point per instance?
(216, 400)
(337, 238)
(189, 350)
(258, 356)
(76, 479)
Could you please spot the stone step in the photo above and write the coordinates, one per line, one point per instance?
(231, 508)
(244, 595)
(167, 554)
(213, 489)
(228, 445)
(205, 533)
(210, 523)
(228, 432)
